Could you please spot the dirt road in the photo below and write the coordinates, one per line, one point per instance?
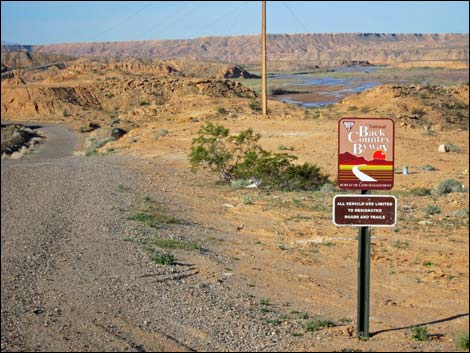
(75, 278)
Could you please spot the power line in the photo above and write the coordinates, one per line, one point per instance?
(211, 24)
(124, 20)
(170, 20)
(295, 16)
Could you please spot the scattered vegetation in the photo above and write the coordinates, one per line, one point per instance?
(241, 157)
(176, 244)
(222, 111)
(431, 210)
(420, 333)
(418, 112)
(285, 148)
(452, 148)
(154, 216)
(255, 105)
(401, 244)
(317, 324)
(462, 341)
(160, 258)
(420, 191)
(247, 200)
(448, 186)
(428, 168)
(122, 188)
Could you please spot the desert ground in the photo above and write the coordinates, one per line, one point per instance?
(250, 269)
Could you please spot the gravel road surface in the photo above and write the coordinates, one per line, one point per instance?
(74, 276)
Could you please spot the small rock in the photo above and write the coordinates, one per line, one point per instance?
(443, 148)
(38, 311)
(160, 133)
(117, 133)
(425, 223)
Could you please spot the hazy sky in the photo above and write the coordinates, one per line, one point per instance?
(42, 22)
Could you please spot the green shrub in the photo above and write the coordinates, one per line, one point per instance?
(452, 148)
(317, 324)
(255, 105)
(221, 111)
(419, 333)
(160, 258)
(241, 157)
(432, 210)
(176, 244)
(420, 191)
(247, 200)
(448, 186)
(462, 341)
(418, 112)
(428, 168)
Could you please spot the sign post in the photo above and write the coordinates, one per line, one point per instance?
(363, 282)
(365, 162)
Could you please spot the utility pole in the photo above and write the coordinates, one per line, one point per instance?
(264, 102)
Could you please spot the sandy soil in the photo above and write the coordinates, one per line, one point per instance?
(287, 249)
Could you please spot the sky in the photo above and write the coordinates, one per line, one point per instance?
(46, 22)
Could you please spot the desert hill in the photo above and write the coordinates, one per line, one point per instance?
(426, 106)
(312, 49)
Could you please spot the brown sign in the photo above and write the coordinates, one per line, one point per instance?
(365, 210)
(366, 153)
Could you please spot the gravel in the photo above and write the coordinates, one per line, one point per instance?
(76, 276)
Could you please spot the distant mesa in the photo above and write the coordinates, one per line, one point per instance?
(323, 49)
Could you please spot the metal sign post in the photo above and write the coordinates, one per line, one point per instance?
(363, 282)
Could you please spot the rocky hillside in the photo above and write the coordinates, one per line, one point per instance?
(322, 49)
(54, 98)
(412, 106)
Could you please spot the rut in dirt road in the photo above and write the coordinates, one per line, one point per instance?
(71, 281)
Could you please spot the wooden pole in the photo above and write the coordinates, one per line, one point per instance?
(264, 102)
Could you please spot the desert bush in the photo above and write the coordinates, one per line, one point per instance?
(452, 148)
(448, 186)
(241, 157)
(418, 112)
(432, 210)
(317, 324)
(428, 168)
(462, 341)
(420, 191)
(222, 111)
(419, 333)
(160, 258)
(255, 105)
